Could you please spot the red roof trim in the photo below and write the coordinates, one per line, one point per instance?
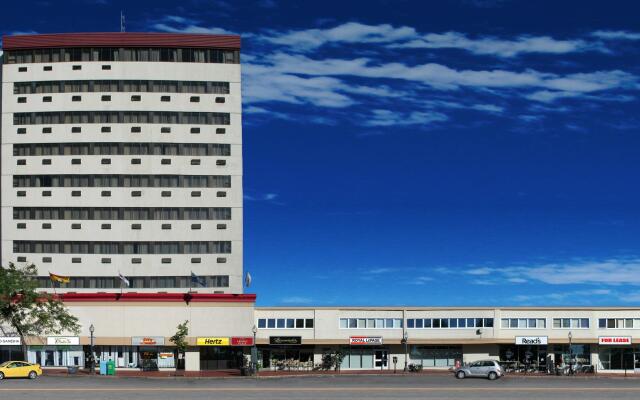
(119, 39)
(157, 297)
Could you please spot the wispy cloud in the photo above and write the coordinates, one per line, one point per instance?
(293, 300)
(266, 197)
(616, 35)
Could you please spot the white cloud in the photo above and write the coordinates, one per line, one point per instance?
(394, 118)
(350, 32)
(616, 35)
(296, 300)
(191, 29)
(605, 272)
(497, 47)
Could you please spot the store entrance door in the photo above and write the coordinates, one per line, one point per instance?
(381, 359)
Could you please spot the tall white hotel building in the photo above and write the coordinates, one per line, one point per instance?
(122, 154)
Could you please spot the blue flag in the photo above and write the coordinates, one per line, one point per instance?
(198, 280)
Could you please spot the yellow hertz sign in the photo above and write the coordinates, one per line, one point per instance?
(212, 341)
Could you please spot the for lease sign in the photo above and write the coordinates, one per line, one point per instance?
(615, 340)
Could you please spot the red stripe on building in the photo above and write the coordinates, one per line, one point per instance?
(157, 297)
(120, 39)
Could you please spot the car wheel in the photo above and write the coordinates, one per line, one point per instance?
(460, 375)
(1, 375)
(493, 376)
(33, 375)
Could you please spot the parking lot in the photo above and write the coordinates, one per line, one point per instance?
(443, 387)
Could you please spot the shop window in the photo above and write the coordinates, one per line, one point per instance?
(262, 323)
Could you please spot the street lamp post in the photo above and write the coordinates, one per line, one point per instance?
(570, 336)
(92, 359)
(254, 352)
(405, 340)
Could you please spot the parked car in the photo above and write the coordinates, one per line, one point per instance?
(489, 369)
(19, 369)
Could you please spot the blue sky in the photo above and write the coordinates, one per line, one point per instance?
(467, 152)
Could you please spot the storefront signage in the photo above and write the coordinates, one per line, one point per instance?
(365, 340)
(294, 340)
(531, 340)
(615, 340)
(242, 341)
(63, 341)
(10, 341)
(212, 341)
(147, 341)
(165, 355)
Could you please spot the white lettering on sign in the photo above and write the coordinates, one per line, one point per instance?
(531, 340)
(615, 340)
(365, 340)
(63, 341)
(10, 341)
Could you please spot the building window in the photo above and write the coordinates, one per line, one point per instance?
(76, 226)
(523, 323)
(195, 161)
(196, 260)
(196, 226)
(22, 69)
(21, 193)
(219, 100)
(76, 260)
(46, 193)
(137, 247)
(136, 260)
(76, 98)
(106, 193)
(166, 261)
(75, 193)
(221, 194)
(106, 98)
(195, 130)
(136, 161)
(166, 226)
(221, 131)
(165, 161)
(106, 67)
(46, 226)
(75, 161)
(370, 323)
(619, 323)
(136, 129)
(76, 129)
(221, 260)
(106, 261)
(76, 67)
(105, 161)
(21, 162)
(22, 99)
(221, 162)
(105, 129)
(46, 99)
(221, 226)
(22, 131)
(46, 130)
(571, 323)
(165, 98)
(165, 193)
(106, 226)
(136, 97)
(136, 193)
(194, 99)
(196, 194)
(47, 68)
(165, 129)
(136, 227)
(21, 225)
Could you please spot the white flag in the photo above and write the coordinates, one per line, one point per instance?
(123, 279)
(247, 280)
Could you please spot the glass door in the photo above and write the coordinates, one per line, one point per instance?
(381, 359)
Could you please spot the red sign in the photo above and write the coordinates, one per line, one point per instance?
(242, 341)
(615, 340)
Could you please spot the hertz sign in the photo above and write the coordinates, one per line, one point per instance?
(212, 341)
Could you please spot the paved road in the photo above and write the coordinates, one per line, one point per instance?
(432, 387)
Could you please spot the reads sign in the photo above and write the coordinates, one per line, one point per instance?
(531, 340)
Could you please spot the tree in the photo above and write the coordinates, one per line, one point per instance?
(29, 312)
(180, 339)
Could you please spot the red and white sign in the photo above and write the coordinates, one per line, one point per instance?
(242, 341)
(615, 340)
(365, 340)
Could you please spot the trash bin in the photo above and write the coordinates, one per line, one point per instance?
(72, 370)
(103, 367)
(111, 367)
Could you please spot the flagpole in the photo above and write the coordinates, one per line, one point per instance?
(53, 284)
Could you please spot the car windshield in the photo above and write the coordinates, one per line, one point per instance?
(4, 364)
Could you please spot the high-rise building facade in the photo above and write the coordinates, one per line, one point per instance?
(122, 155)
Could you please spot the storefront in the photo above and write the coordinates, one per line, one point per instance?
(223, 352)
(286, 353)
(365, 352)
(151, 354)
(617, 353)
(10, 348)
(527, 354)
(60, 351)
(435, 356)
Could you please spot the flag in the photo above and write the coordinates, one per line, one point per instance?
(59, 278)
(247, 280)
(123, 279)
(198, 280)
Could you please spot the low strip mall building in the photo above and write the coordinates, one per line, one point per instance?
(133, 329)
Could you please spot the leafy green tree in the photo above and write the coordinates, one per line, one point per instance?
(29, 312)
(180, 339)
